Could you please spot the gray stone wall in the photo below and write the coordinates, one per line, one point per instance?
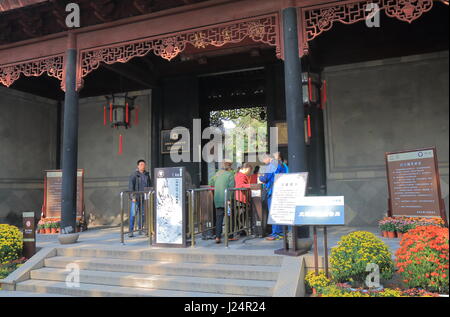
(377, 107)
(28, 139)
(106, 172)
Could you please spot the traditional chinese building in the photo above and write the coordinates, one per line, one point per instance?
(374, 90)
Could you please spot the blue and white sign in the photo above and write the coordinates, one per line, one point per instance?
(320, 211)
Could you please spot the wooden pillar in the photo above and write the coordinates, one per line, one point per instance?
(294, 101)
(70, 141)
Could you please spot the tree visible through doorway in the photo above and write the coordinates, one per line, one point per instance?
(241, 119)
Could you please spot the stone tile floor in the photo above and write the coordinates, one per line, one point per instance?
(110, 237)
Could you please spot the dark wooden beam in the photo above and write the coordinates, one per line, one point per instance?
(131, 72)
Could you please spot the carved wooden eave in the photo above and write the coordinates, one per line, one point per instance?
(213, 23)
(261, 30)
(53, 66)
(318, 19)
(7, 5)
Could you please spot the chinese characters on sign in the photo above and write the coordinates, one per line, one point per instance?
(287, 191)
(320, 211)
(170, 206)
(413, 180)
(53, 194)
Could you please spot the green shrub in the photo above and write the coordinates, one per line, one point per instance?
(354, 252)
(11, 243)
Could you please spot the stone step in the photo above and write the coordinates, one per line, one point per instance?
(51, 288)
(244, 272)
(160, 282)
(28, 294)
(178, 255)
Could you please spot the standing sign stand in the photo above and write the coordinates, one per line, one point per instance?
(51, 208)
(316, 250)
(414, 184)
(287, 190)
(170, 207)
(319, 211)
(29, 234)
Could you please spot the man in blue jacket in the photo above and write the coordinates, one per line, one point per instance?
(139, 181)
(272, 168)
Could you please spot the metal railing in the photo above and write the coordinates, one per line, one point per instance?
(200, 211)
(144, 213)
(238, 212)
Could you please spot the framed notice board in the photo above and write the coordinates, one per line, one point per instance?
(53, 194)
(170, 207)
(414, 184)
(288, 189)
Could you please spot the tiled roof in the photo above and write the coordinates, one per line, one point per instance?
(6, 5)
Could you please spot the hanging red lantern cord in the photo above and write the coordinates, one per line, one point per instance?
(309, 127)
(127, 115)
(104, 115)
(110, 112)
(120, 144)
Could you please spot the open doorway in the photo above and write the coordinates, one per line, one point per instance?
(245, 133)
(235, 103)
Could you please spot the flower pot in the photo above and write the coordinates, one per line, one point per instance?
(314, 291)
(53, 231)
(384, 234)
(391, 234)
(48, 230)
(399, 235)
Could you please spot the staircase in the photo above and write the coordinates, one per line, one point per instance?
(156, 272)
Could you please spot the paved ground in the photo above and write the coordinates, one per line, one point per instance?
(111, 238)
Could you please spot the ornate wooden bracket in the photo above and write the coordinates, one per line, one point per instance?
(53, 66)
(319, 19)
(264, 29)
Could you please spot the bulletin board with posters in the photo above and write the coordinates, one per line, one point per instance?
(414, 184)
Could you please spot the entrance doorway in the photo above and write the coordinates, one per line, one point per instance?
(235, 103)
(245, 135)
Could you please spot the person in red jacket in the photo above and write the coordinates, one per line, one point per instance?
(242, 180)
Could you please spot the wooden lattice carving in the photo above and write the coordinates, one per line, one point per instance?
(319, 19)
(52, 66)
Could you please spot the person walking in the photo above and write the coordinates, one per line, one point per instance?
(138, 182)
(272, 168)
(223, 179)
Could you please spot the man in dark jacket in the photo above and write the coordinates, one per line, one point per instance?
(139, 181)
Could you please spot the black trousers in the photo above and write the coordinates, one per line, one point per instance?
(220, 214)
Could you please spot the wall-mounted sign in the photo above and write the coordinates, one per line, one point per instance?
(320, 211)
(53, 194)
(287, 191)
(414, 184)
(282, 133)
(171, 142)
(170, 207)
